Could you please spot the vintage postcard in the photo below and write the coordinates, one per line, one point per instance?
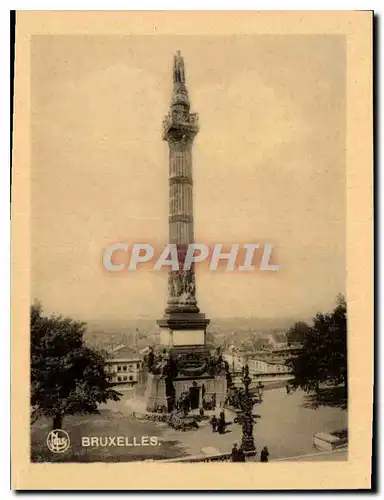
(192, 237)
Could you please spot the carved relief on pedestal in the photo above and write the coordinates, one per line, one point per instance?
(182, 290)
(182, 284)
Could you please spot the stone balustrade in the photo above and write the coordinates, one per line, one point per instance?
(250, 456)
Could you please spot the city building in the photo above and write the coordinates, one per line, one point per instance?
(124, 365)
(259, 366)
(266, 365)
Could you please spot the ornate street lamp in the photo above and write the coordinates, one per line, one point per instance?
(247, 439)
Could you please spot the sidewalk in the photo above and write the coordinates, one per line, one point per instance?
(195, 442)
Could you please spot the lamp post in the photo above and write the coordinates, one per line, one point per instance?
(233, 362)
(247, 438)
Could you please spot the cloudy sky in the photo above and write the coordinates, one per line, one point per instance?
(269, 166)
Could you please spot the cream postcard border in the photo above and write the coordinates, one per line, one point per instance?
(352, 474)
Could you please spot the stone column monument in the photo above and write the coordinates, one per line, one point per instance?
(183, 326)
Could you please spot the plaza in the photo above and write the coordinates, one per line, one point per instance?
(285, 423)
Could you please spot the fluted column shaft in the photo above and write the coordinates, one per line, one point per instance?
(180, 193)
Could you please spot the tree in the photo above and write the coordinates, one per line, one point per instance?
(297, 332)
(67, 376)
(323, 358)
(337, 345)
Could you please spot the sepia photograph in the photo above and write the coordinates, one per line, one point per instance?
(188, 298)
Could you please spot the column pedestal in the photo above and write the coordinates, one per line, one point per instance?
(183, 329)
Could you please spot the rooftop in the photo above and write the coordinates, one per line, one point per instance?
(123, 352)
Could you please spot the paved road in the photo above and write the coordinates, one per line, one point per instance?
(286, 425)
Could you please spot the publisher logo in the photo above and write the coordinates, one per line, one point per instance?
(58, 441)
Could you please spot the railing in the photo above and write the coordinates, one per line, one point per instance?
(266, 378)
(323, 455)
(253, 457)
(250, 456)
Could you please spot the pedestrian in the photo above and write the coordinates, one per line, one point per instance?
(222, 416)
(288, 388)
(240, 455)
(234, 453)
(221, 424)
(221, 427)
(214, 423)
(264, 454)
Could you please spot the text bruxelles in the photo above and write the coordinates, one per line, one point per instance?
(118, 441)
